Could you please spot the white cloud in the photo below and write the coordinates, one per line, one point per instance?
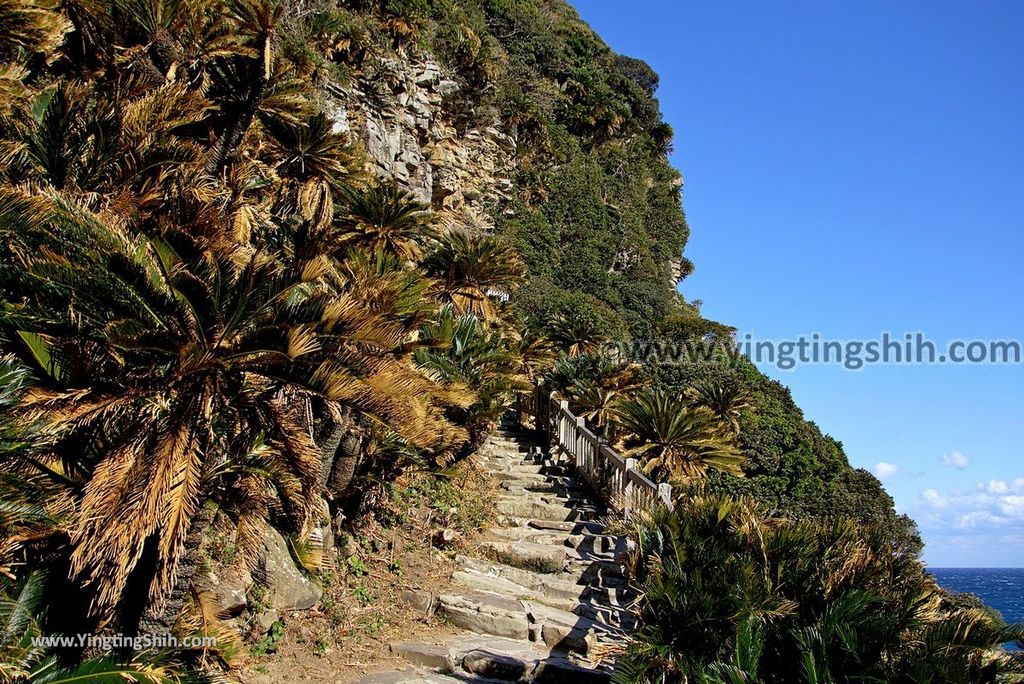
(995, 487)
(1012, 506)
(976, 519)
(884, 470)
(955, 459)
(991, 505)
(933, 498)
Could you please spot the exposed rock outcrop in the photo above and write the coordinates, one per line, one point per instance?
(402, 110)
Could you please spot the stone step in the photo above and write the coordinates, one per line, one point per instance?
(537, 484)
(540, 468)
(540, 614)
(522, 465)
(417, 676)
(471, 657)
(551, 486)
(574, 527)
(486, 612)
(525, 508)
(488, 663)
(607, 574)
(623, 597)
(594, 544)
(511, 451)
(577, 502)
(600, 612)
(593, 603)
(511, 440)
(513, 447)
(552, 585)
(515, 430)
(482, 582)
(529, 534)
(544, 558)
(526, 468)
(605, 546)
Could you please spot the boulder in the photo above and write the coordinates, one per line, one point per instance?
(568, 638)
(494, 665)
(265, 620)
(288, 588)
(417, 598)
(229, 587)
(446, 88)
(428, 75)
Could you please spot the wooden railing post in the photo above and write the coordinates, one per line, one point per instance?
(561, 429)
(665, 493)
(582, 449)
(540, 400)
(629, 494)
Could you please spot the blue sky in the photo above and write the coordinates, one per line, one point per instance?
(851, 169)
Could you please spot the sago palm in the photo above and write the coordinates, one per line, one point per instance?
(23, 661)
(726, 400)
(159, 360)
(597, 403)
(386, 218)
(577, 334)
(537, 353)
(675, 439)
(569, 371)
(31, 26)
(163, 362)
(473, 356)
(471, 269)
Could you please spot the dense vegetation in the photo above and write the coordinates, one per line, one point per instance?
(598, 223)
(733, 596)
(791, 467)
(207, 311)
(210, 312)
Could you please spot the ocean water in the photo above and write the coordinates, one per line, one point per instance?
(1001, 588)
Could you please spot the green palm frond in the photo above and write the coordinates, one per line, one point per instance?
(577, 334)
(726, 400)
(472, 269)
(311, 148)
(470, 354)
(675, 438)
(384, 217)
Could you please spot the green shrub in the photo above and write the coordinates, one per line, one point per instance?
(731, 596)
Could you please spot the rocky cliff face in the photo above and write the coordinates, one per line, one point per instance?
(403, 110)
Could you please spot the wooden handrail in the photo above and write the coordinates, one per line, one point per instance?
(615, 478)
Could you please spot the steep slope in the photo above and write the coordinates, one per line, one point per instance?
(513, 116)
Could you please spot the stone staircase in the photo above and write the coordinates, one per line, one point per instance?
(543, 599)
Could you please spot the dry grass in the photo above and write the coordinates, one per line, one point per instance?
(348, 634)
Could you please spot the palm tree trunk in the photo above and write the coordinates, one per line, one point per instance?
(330, 422)
(160, 619)
(345, 461)
(231, 137)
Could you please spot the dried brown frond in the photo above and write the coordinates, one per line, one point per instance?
(201, 617)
